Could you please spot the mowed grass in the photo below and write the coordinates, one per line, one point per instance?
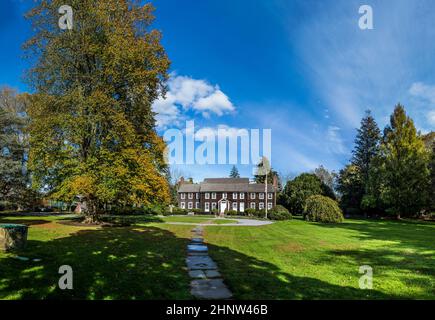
(108, 263)
(285, 260)
(301, 260)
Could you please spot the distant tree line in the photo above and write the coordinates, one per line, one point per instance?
(390, 173)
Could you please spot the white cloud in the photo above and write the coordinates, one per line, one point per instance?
(185, 94)
(423, 91)
(335, 142)
(431, 117)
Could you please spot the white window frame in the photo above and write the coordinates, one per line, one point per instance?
(261, 206)
(183, 205)
(207, 206)
(213, 195)
(235, 195)
(213, 205)
(261, 196)
(252, 205)
(242, 195)
(183, 195)
(252, 195)
(197, 205)
(235, 206)
(270, 195)
(207, 195)
(190, 195)
(269, 205)
(190, 205)
(197, 195)
(224, 195)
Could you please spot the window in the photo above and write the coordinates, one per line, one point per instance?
(183, 205)
(252, 205)
(213, 205)
(183, 195)
(235, 195)
(197, 205)
(242, 195)
(261, 195)
(213, 195)
(197, 195)
(190, 205)
(270, 196)
(190, 195)
(252, 195)
(269, 205)
(224, 195)
(207, 206)
(261, 205)
(235, 206)
(207, 195)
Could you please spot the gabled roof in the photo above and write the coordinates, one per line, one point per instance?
(225, 185)
(226, 180)
(189, 187)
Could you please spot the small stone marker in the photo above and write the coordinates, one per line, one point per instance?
(13, 237)
(210, 289)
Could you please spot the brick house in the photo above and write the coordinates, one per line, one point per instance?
(225, 194)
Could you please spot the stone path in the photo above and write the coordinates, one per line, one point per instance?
(240, 223)
(207, 282)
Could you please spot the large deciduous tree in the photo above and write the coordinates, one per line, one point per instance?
(92, 128)
(404, 165)
(297, 191)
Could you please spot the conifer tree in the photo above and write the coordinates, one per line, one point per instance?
(234, 172)
(405, 166)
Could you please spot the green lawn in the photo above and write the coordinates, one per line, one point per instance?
(285, 260)
(301, 260)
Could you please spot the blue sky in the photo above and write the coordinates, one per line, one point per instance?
(301, 68)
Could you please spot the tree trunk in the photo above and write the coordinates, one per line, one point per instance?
(90, 211)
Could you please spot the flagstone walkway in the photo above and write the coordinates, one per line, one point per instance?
(207, 282)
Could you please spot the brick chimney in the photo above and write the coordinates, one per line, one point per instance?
(275, 182)
(181, 180)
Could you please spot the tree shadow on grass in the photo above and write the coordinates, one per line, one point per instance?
(29, 222)
(250, 278)
(148, 263)
(107, 263)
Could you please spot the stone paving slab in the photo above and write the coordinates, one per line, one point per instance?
(197, 274)
(212, 274)
(197, 248)
(210, 289)
(200, 263)
(204, 254)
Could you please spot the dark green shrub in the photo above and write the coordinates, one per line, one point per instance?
(250, 212)
(214, 211)
(232, 212)
(279, 213)
(179, 211)
(322, 209)
(196, 211)
(260, 213)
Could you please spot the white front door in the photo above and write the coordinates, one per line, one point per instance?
(223, 206)
(242, 207)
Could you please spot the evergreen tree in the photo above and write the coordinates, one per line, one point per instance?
(92, 128)
(14, 179)
(405, 166)
(354, 180)
(234, 172)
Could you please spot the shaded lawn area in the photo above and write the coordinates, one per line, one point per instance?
(285, 260)
(108, 263)
(301, 260)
